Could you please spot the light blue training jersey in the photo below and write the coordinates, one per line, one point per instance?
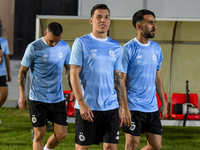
(5, 51)
(46, 64)
(98, 58)
(140, 62)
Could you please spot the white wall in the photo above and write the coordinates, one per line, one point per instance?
(161, 8)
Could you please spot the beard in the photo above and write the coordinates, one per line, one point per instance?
(148, 34)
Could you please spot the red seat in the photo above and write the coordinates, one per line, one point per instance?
(159, 103)
(181, 99)
(69, 105)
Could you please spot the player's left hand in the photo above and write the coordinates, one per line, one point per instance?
(9, 78)
(163, 110)
(72, 96)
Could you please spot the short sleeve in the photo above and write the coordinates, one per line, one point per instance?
(4, 46)
(160, 59)
(68, 55)
(119, 60)
(76, 54)
(125, 59)
(28, 57)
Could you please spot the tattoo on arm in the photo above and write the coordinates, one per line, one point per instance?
(22, 81)
(118, 86)
(80, 99)
(67, 72)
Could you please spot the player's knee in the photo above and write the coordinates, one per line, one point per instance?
(157, 147)
(4, 96)
(39, 135)
(109, 146)
(60, 137)
(132, 145)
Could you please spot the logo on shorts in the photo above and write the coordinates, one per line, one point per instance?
(81, 137)
(34, 119)
(117, 137)
(132, 127)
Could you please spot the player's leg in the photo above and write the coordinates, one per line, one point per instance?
(4, 94)
(109, 146)
(110, 125)
(39, 133)
(132, 142)
(38, 118)
(153, 131)
(154, 142)
(81, 147)
(57, 114)
(60, 132)
(132, 133)
(3, 90)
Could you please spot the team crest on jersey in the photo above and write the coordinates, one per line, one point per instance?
(111, 52)
(132, 127)
(81, 137)
(60, 55)
(154, 57)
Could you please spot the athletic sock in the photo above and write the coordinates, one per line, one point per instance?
(45, 148)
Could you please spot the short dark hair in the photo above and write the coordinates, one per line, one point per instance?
(138, 16)
(55, 28)
(99, 6)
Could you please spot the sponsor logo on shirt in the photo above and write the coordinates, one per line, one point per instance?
(93, 54)
(45, 57)
(139, 57)
(94, 50)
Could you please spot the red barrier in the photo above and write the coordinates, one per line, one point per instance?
(69, 105)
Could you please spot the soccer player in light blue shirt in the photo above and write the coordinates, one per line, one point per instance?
(4, 70)
(1, 55)
(95, 76)
(141, 77)
(46, 57)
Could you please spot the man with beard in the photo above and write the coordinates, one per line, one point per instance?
(141, 64)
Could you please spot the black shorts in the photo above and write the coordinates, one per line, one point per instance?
(104, 128)
(41, 112)
(3, 81)
(144, 122)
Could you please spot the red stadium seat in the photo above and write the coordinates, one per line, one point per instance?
(159, 103)
(69, 105)
(181, 99)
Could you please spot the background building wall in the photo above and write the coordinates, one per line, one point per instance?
(7, 21)
(162, 8)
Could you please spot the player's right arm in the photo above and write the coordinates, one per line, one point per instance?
(21, 83)
(85, 111)
(126, 112)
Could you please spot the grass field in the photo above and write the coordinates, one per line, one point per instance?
(15, 134)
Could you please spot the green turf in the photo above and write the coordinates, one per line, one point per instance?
(15, 134)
